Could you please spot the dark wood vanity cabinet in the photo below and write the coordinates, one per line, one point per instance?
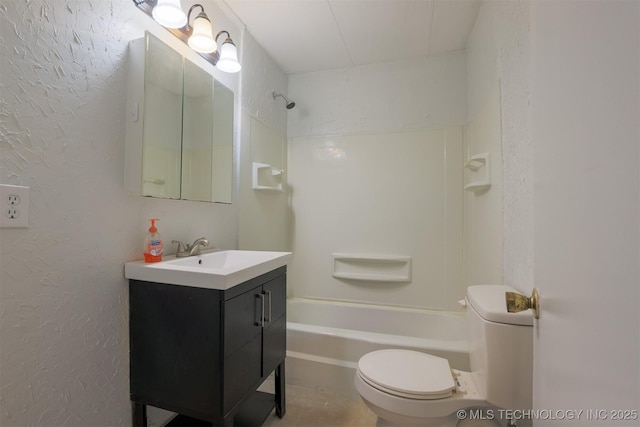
(203, 352)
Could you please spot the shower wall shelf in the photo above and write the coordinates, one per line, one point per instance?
(479, 166)
(372, 268)
(265, 172)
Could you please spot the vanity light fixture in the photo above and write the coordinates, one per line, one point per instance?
(201, 39)
(228, 60)
(169, 14)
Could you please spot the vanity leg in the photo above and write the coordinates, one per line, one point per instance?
(139, 412)
(281, 401)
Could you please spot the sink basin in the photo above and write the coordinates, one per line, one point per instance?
(213, 270)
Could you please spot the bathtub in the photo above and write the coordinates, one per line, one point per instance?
(325, 339)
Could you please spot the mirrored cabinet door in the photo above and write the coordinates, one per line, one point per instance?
(223, 107)
(162, 121)
(179, 127)
(197, 134)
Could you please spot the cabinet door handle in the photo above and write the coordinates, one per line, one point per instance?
(261, 321)
(268, 293)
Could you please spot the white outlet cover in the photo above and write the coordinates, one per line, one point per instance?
(15, 210)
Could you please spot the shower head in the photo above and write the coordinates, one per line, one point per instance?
(289, 103)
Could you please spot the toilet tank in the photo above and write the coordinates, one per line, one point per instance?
(500, 347)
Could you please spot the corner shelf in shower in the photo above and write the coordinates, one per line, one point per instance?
(372, 268)
(479, 166)
(265, 172)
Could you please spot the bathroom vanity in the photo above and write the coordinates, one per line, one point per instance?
(203, 352)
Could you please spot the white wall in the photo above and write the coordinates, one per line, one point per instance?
(396, 194)
(63, 296)
(483, 222)
(499, 53)
(263, 215)
(423, 93)
(385, 196)
(260, 76)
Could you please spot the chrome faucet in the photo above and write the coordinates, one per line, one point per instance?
(192, 249)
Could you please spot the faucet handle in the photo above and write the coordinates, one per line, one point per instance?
(180, 245)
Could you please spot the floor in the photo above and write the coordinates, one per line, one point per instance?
(316, 408)
(305, 407)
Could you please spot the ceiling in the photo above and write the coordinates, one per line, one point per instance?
(312, 35)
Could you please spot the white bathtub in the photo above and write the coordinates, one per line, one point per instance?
(325, 339)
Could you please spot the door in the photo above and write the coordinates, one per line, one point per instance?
(585, 86)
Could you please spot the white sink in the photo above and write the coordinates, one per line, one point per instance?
(213, 270)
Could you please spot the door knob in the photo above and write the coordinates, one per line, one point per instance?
(517, 302)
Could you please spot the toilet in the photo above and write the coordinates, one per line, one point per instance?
(406, 387)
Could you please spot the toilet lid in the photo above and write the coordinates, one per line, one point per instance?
(407, 373)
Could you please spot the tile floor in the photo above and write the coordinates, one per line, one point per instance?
(316, 408)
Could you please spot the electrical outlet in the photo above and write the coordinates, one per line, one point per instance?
(15, 206)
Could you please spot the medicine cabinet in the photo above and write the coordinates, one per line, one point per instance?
(179, 127)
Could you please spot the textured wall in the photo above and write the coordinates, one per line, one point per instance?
(498, 51)
(63, 296)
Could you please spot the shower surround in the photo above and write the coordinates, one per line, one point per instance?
(375, 168)
(391, 205)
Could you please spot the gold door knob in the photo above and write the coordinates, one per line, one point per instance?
(517, 302)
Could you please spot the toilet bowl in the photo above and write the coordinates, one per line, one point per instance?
(406, 387)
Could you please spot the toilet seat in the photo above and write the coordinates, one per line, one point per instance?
(407, 373)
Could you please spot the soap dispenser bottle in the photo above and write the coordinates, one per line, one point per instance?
(153, 244)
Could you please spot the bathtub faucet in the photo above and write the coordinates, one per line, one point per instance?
(192, 249)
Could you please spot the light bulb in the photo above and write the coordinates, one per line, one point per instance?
(168, 13)
(228, 61)
(201, 39)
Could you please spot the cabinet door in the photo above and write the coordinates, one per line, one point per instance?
(174, 347)
(241, 373)
(274, 345)
(242, 346)
(162, 121)
(197, 134)
(254, 338)
(274, 336)
(242, 320)
(276, 298)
